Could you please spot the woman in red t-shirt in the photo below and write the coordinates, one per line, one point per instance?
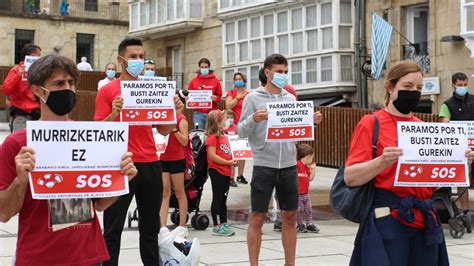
(219, 159)
(395, 233)
(174, 167)
(234, 101)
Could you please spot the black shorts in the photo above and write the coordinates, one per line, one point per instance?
(173, 167)
(264, 179)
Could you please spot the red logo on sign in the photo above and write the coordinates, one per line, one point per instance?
(148, 115)
(199, 104)
(64, 182)
(242, 154)
(300, 132)
(436, 173)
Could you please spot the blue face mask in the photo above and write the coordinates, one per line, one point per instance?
(461, 91)
(135, 67)
(280, 80)
(239, 84)
(149, 73)
(204, 71)
(110, 74)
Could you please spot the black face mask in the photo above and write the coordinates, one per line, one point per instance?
(60, 102)
(407, 101)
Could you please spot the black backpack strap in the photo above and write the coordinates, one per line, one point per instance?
(375, 137)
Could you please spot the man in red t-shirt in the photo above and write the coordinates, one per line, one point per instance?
(24, 105)
(147, 186)
(53, 80)
(205, 80)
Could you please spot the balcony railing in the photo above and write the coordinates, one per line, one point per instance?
(162, 13)
(420, 53)
(76, 9)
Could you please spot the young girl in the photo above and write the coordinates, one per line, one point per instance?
(220, 161)
(305, 165)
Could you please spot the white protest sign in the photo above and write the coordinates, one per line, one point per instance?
(154, 78)
(160, 141)
(148, 102)
(470, 131)
(290, 121)
(29, 60)
(433, 155)
(199, 99)
(240, 148)
(77, 159)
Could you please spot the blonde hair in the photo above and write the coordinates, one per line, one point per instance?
(396, 72)
(214, 118)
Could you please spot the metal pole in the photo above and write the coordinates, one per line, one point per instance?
(358, 64)
(363, 55)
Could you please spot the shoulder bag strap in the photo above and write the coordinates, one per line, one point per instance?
(375, 137)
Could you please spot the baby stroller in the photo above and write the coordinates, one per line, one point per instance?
(195, 177)
(445, 204)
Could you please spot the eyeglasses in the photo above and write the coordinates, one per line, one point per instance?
(149, 61)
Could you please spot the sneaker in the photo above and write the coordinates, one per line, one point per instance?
(241, 179)
(312, 228)
(277, 226)
(232, 183)
(301, 228)
(223, 230)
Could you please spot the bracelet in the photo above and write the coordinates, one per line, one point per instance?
(175, 130)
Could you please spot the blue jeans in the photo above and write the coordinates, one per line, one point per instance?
(199, 119)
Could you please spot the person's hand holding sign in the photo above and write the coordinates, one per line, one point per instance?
(127, 167)
(260, 115)
(317, 117)
(470, 156)
(25, 163)
(233, 163)
(21, 70)
(214, 98)
(178, 104)
(117, 105)
(390, 155)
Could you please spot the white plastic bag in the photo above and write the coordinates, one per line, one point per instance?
(170, 255)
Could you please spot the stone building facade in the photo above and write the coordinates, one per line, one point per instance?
(434, 28)
(89, 28)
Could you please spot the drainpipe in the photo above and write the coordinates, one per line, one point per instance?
(358, 63)
(363, 53)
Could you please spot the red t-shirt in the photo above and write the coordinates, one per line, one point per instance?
(18, 90)
(303, 177)
(209, 82)
(37, 244)
(231, 130)
(222, 150)
(174, 150)
(361, 151)
(237, 109)
(140, 138)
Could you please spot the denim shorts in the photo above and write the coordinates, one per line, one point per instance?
(265, 179)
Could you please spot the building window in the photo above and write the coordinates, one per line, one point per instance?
(346, 67)
(143, 13)
(469, 11)
(22, 37)
(153, 12)
(311, 70)
(254, 81)
(90, 5)
(417, 30)
(85, 47)
(297, 72)
(5, 5)
(326, 68)
(229, 80)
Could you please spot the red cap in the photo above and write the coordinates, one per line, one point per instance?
(290, 89)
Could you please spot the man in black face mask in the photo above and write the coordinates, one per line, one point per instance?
(52, 80)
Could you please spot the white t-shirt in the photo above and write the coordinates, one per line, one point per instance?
(104, 82)
(84, 66)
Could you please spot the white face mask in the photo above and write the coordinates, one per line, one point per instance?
(229, 122)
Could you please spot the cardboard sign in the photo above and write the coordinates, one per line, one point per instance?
(155, 78)
(433, 155)
(199, 99)
(290, 121)
(77, 159)
(160, 141)
(240, 148)
(148, 102)
(470, 131)
(29, 60)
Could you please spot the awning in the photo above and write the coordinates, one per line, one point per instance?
(328, 101)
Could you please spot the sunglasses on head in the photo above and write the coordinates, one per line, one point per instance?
(149, 61)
